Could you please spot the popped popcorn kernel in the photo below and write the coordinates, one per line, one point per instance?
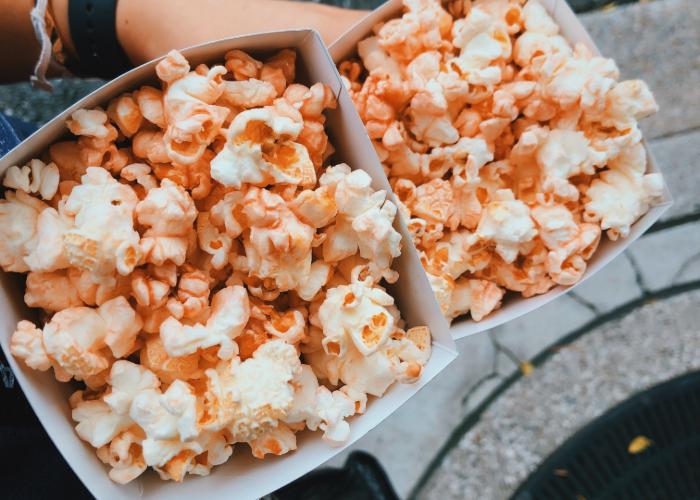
(489, 122)
(193, 254)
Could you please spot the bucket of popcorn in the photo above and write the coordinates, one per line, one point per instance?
(512, 145)
(206, 288)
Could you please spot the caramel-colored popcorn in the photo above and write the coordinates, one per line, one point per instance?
(509, 149)
(193, 252)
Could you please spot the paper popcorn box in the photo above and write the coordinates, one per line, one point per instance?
(243, 476)
(515, 306)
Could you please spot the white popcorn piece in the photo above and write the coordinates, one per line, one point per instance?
(127, 380)
(320, 408)
(19, 214)
(89, 122)
(173, 459)
(375, 58)
(289, 326)
(36, 177)
(569, 243)
(81, 341)
(564, 154)
(96, 422)
(102, 238)
(248, 398)
(619, 197)
(319, 274)
(170, 415)
(229, 314)
(124, 456)
(507, 222)
(260, 150)
(126, 115)
(193, 120)
(475, 296)
(355, 314)
(168, 211)
(27, 344)
(278, 245)
(212, 241)
(277, 441)
(248, 94)
(364, 221)
(626, 103)
(430, 122)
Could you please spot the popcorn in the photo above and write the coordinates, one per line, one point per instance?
(277, 441)
(150, 103)
(125, 113)
(89, 122)
(27, 344)
(260, 150)
(279, 245)
(51, 291)
(506, 221)
(320, 408)
(97, 423)
(363, 221)
(123, 455)
(37, 177)
(619, 197)
(101, 238)
(168, 212)
(194, 254)
(192, 117)
(355, 314)
(19, 214)
(509, 149)
(229, 314)
(170, 415)
(249, 397)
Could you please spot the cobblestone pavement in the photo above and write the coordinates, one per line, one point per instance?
(472, 428)
(645, 344)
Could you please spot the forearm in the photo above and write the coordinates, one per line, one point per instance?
(19, 47)
(149, 28)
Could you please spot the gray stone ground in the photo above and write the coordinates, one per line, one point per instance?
(603, 367)
(659, 41)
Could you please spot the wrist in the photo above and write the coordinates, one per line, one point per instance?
(59, 12)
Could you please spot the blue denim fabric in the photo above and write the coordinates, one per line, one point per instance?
(12, 132)
(30, 466)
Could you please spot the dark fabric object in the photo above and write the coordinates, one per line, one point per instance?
(94, 33)
(361, 478)
(597, 461)
(30, 465)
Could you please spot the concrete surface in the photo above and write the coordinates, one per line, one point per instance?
(583, 379)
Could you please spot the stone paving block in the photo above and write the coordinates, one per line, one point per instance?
(668, 257)
(530, 334)
(407, 441)
(537, 413)
(679, 158)
(613, 286)
(657, 41)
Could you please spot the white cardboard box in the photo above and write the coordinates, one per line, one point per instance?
(243, 476)
(513, 307)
